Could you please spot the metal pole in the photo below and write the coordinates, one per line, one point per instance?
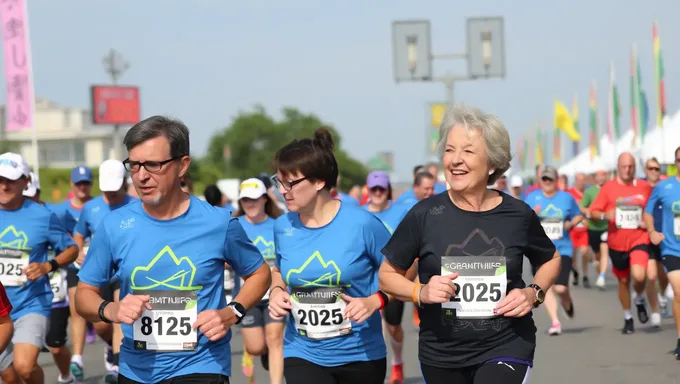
(449, 91)
(114, 65)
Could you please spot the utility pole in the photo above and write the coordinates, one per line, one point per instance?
(115, 66)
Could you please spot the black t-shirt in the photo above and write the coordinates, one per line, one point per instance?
(435, 227)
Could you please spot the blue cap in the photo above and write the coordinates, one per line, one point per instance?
(81, 174)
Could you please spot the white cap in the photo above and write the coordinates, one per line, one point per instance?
(516, 181)
(252, 189)
(111, 175)
(33, 186)
(13, 166)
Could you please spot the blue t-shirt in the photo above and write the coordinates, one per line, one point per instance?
(667, 196)
(51, 254)
(182, 254)
(67, 213)
(392, 216)
(344, 253)
(94, 212)
(347, 199)
(262, 235)
(31, 230)
(562, 207)
(407, 197)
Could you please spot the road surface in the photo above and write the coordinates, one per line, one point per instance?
(590, 350)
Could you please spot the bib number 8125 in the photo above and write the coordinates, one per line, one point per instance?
(321, 317)
(469, 292)
(183, 323)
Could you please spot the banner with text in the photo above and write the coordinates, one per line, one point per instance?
(18, 72)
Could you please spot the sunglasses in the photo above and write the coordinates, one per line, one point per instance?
(654, 169)
(377, 189)
(547, 179)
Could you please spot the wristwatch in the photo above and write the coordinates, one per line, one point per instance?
(540, 294)
(238, 310)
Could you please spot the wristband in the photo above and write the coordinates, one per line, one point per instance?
(101, 311)
(415, 295)
(276, 286)
(383, 299)
(54, 265)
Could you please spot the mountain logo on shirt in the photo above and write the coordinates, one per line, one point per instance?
(551, 211)
(477, 244)
(265, 247)
(165, 271)
(389, 229)
(675, 207)
(328, 275)
(10, 238)
(631, 200)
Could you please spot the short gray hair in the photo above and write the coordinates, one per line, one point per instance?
(491, 128)
(155, 126)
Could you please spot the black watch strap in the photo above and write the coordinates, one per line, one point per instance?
(540, 294)
(239, 310)
(101, 311)
(54, 265)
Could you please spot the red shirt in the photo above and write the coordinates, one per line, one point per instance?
(532, 188)
(5, 305)
(578, 195)
(628, 201)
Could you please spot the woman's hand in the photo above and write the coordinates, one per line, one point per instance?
(279, 303)
(438, 290)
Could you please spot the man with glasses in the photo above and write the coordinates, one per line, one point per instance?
(114, 195)
(169, 252)
(653, 177)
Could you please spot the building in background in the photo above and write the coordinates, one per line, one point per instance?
(66, 137)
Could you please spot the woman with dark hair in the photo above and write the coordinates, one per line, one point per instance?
(326, 273)
(262, 334)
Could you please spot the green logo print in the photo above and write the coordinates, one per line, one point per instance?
(500, 270)
(177, 273)
(330, 276)
(11, 238)
(551, 211)
(265, 247)
(190, 304)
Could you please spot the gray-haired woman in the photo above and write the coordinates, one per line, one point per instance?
(475, 309)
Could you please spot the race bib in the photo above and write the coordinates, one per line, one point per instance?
(554, 228)
(12, 261)
(271, 264)
(319, 312)
(628, 216)
(58, 284)
(228, 280)
(676, 225)
(167, 326)
(481, 284)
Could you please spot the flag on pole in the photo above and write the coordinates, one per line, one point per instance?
(613, 108)
(658, 74)
(539, 146)
(635, 100)
(576, 145)
(593, 122)
(557, 146)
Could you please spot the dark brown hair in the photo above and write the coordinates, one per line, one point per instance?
(270, 208)
(311, 157)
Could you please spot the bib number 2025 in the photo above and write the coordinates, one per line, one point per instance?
(167, 326)
(481, 284)
(319, 313)
(12, 262)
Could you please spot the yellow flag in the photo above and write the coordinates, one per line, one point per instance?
(437, 112)
(564, 122)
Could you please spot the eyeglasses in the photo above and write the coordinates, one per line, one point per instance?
(287, 185)
(547, 179)
(377, 189)
(654, 169)
(150, 166)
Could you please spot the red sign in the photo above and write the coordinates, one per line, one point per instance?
(115, 104)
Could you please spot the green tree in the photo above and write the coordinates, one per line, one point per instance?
(246, 147)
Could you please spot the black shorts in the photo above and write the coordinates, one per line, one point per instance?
(654, 252)
(72, 277)
(300, 371)
(565, 271)
(56, 333)
(595, 239)
(393, 312)
(196, 378)
(506, 372)
(259, 316)
(671, 263)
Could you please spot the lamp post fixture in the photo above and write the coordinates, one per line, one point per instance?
(413, 57)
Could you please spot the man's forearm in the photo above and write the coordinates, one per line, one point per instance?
(68, 256)
(254, 287)
(87, 303)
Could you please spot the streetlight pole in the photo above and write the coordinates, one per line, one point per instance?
(115, 66)
(413, 57)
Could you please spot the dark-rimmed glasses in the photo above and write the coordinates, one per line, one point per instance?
(150, 166)
(287, 185)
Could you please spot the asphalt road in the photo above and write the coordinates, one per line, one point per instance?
(590, 350)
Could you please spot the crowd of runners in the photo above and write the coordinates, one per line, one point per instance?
(316, 279)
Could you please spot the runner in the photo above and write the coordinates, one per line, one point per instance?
(476, 321)
(214, 197)
(27, 230)
(579, 234)
(409, 194)
(559, 213)
(537, 181)
(666, 200)
(620, 202)
(262, 334)
(169, 251)
(114, 196)
(516, 187)
(391, 214)
(653, 176)
(433, 169)
(423, 188)
(327, 255)
(57, 327)
(597, 229)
